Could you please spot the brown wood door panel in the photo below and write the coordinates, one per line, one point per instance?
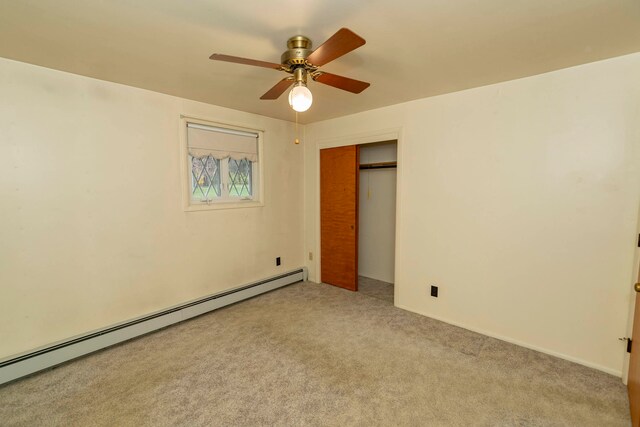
(633, 379)
(339, 216)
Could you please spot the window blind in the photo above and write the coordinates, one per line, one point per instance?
(221, 143)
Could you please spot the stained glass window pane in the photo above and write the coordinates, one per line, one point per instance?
(240, 179)
(205, 178)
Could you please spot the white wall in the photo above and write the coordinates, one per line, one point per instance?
(377, 213)
(92, 230)
(520, 200)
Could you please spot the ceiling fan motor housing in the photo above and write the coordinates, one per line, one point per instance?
(299, 47)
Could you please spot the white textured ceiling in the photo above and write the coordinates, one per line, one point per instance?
(414, 49)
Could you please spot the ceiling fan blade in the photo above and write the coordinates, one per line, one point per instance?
(344, 83)
(342, 42)
(278, 89)
(245, 61)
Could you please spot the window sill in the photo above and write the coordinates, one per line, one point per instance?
(223, 205)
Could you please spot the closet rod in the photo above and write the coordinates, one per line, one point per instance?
(380, 165)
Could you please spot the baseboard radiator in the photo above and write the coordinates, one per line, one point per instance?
(55, 354)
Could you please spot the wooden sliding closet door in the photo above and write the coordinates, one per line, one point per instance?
(633, 380)
(339, 216)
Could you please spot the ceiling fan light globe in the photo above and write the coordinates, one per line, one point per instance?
(300, 98)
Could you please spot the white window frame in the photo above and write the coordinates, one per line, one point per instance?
(257, 172)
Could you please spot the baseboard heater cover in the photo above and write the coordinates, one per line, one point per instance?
(28, 363)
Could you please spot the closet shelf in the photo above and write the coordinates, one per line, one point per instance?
(379, 165)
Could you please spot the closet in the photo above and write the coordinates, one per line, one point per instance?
(377, 219)
(357, 217)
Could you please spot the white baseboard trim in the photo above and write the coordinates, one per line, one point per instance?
(18, 366)
(613, 372)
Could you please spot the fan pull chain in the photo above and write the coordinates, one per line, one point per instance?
(297, 140)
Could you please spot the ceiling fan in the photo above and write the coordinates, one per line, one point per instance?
(300, 61)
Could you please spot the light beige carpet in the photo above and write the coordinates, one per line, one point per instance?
(313, 354)
(375, 288)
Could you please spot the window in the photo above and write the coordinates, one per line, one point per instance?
(222, 166)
